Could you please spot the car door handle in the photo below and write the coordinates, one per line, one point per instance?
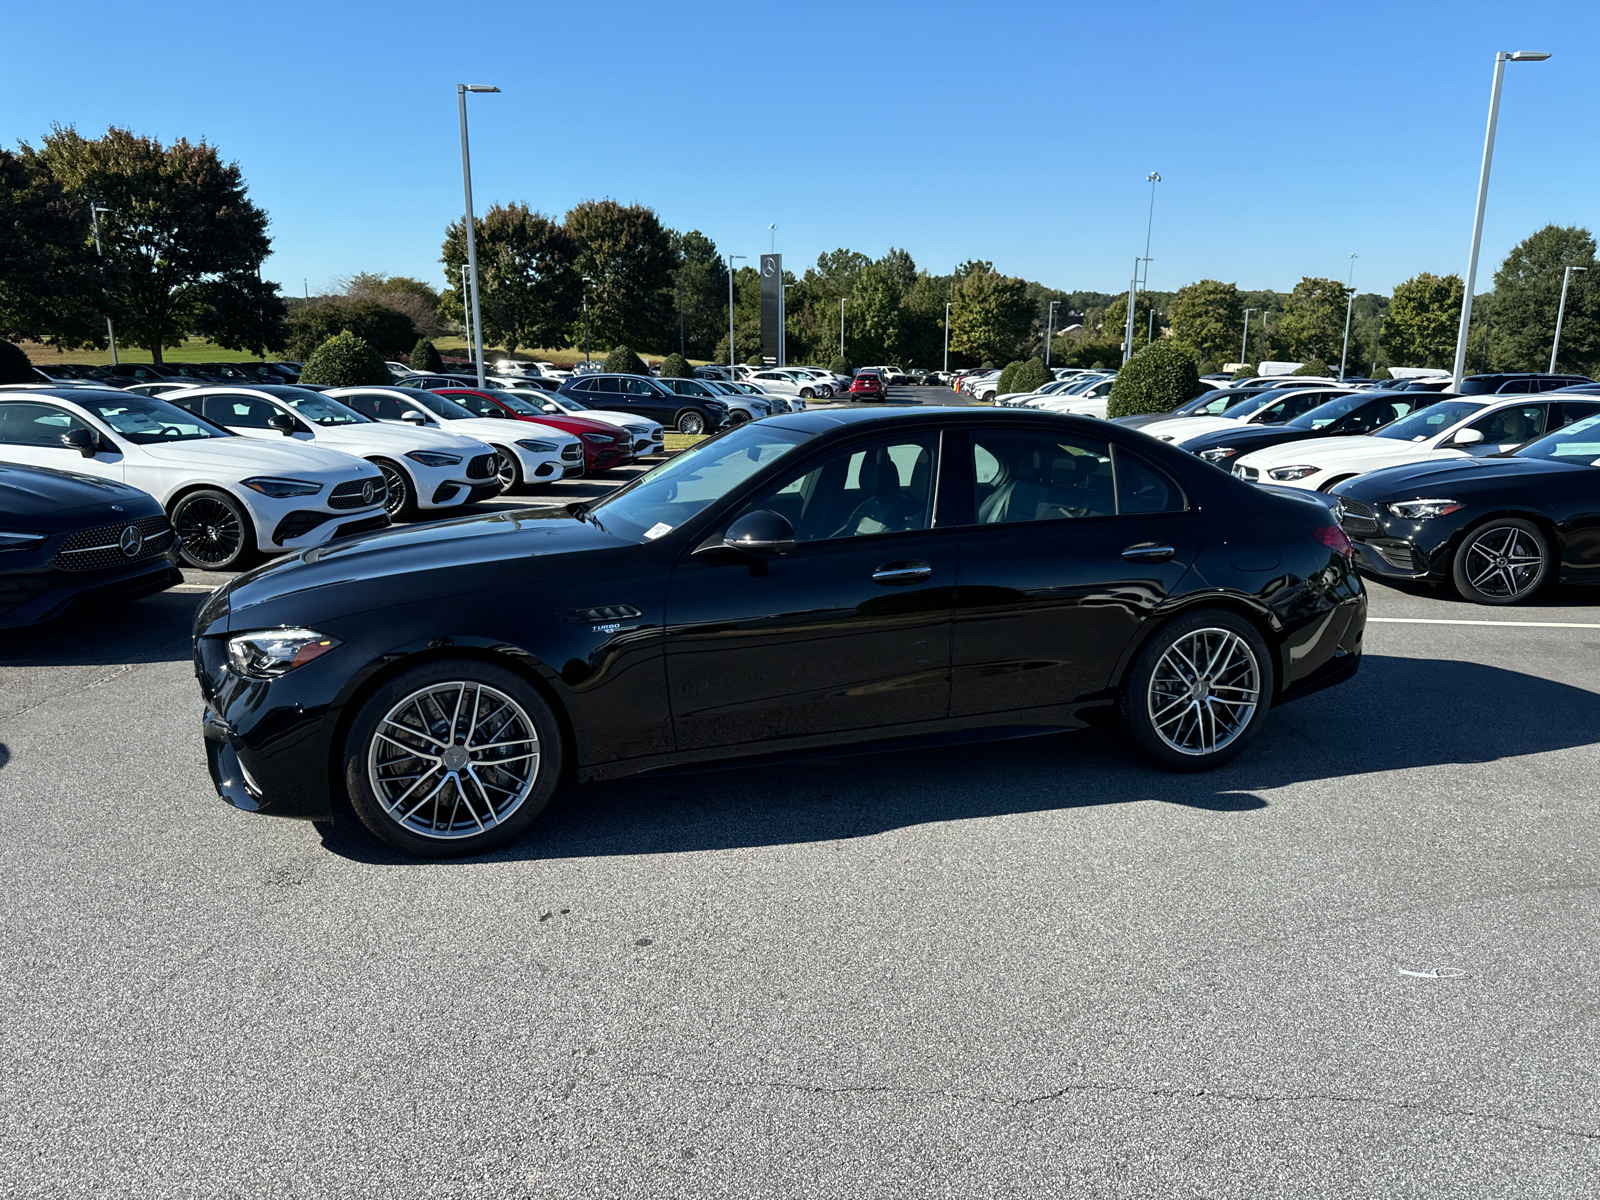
(893, 574)
(1148, 552)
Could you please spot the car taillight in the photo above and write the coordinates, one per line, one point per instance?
(1337, 540)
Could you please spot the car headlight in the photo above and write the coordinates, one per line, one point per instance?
(1218, 454)
(1421, 510)
(279, 489)
(20, 541)
(538, 447)
(433, 458)
(599, 439)
(269, 653)
(1285, 474)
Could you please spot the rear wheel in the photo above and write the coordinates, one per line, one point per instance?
(214, 531)
(807, 394)
(691, 422)
(1501, 562)
(509, 469)
(738, 417)
(401, 501)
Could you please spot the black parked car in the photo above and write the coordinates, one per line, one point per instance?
(648, 398)
(68, 539)
(797, 583)
(1516, 383)
(1342, 416)
(1498, 527)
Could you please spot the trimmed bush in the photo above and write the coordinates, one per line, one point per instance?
(839, 366)
(1245, 372)
(1315, 367)
(675, 366)
(14, 365)
(1003, 385)
(755, 360)
(425, 357)
(1157, 379)
(1382, 373)
(345, 361)
(987, 366)
(623, 361)
(1031, 376)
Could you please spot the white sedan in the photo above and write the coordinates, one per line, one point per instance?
(422, 468)
(526, 453)
(1089, 400)
(227, 496)
(1457, 428)
(1266, 407)
(645, 436)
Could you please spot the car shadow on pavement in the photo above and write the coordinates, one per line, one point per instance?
(154, 629)
(1397, 714)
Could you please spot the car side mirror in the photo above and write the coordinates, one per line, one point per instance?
(760, 532)
(81, 440)
(552, 408)
(411, 417)
(1468, 437)
(283, 423)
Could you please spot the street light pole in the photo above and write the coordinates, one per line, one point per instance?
(1244, 342)
(1500, 59)
(783, 323)
(841, 326)
(732, 375)
(1566, 277)
(1049, 328)
(472, 241)
(586, 282)
(947, 339)
(1349, 307)
(1127, 337)
(1152, 179)
(94, 216)
(466, 312)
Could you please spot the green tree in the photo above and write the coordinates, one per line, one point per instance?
(1209, 317)
(701, 285)
(182, 239)
(1312, 325)
(1527, 293)
(50, 279)
(1114, 323)
(1157, 379)
(378, 326)
(530, 290)
(623, 361)
(14, 365)
(412, 297)
(675, 366)
(1313, 366)
(1423, 319)
(629, 257)
(425, 356)
(344, 361)
(990, 316)
(873, 316)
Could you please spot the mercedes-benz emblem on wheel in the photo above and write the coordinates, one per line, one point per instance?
(131, 541)
(369, 491)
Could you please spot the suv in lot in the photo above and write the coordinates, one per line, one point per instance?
(1517, 383)
(868, 385)
(641, 396)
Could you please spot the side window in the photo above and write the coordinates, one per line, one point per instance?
(1512, 426)
(480, 405)
(1023, 475)
(883, 487)
(1142, 488)
(1573, 410)
(637, 387)
(244, 412)
(25, 424)
(1375, 416)
(1515, 387)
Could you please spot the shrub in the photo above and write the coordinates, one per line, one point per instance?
(1245, 372)
(1382, 373)
(1031, 376)
(755, 360)
(675, 366)
(1157, 379)
(987, 366)
(425, 356)
(1315, 367)
(345, 361)
(623, 361)
(840, 366)
(1003, 385)
(14, 365)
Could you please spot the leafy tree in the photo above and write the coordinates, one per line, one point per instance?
(402, 293)
(701, 284)
(1209, 317)
(181, 238)
(900, 269)
(1313, 367)
(50, 279)
(14, 365)
(1312, 325)
(1157, 379)
(242, 312)
(1423, 320)
(530, 287)
(380, 327)
(990, 316)
(834, 275)
(623, 361)
(674, 366)
(344, 361)
(425, 356)
(1005, 385)
(629, 257)
(875, 315)
(1527, 293)
(1114, 324)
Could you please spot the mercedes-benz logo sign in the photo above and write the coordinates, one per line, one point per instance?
(769, 268)
(131, 541)
(369, 491)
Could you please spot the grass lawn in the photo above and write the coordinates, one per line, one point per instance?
(681, 441)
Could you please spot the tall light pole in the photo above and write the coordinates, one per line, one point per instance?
(1566, 277)
(681, 342)
(841, 326)
(1127, 337)
(1377, 343)
(773, 249)
(783, 323)
(586, 282)
(465, 311)
(1049, 328)
(1152, 179)
(732, 375)
(94, 216)
(1349, 307)
(1244, 342)
(1500, 60)
(947, 339)
(472, 241)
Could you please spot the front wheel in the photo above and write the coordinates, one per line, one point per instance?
(1501, 562)
(401, 500)
(214, 531)
(508, 469)
(451, 758)
(1198, 691)
(738, 417)
(691, 422)
(807, 394)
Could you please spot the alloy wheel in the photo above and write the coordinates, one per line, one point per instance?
(453, 760)
(210, 531)
(398, 497)
(691, 422)
(509, 474)
(1504, 563)
(1204, 691)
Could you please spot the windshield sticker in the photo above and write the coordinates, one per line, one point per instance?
(656, 531)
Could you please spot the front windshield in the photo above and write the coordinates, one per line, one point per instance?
(515, 402)
(320, 410)
(440, 406)
(1425, 422)
(1247, 406)
(144, 420)
(1329, 412)
(681, 487)
(1579, 441)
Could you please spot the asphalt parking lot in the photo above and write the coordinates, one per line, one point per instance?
(1358, 961)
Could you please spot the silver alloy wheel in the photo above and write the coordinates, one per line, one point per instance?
(1204, 691)
(507, 469)
(691, 423)
(397, 493)
(453, 760)
(1503, 562)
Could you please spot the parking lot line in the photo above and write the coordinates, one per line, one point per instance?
(1508, 624)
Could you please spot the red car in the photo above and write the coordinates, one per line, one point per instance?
(868, 386)
(604, 446)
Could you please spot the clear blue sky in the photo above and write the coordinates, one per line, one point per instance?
(1287, 135)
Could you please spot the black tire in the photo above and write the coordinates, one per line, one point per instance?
(416, 709)
(510, 471)
(690, 422)
(1152, 692)
(738, 417)
(1504, 561)
(215, 532)
(400, 502)
(807, 394)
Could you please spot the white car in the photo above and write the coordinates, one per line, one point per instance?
(645, 435)
(1089, 401)
(526, 453)
(1266, 407)
(1053, 388)
(827, 382)
(783, 382)
(422, 468)
(1456, 428)
(778, 404)
(227, 496)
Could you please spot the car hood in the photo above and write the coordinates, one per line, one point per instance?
(397, 439)
(253, 454)
(490, 429)
(437, 561)
(42, 492)
(1181, 429)
(1465, 475)
(625, 420)
(1334, 451)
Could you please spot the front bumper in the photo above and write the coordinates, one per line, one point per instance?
(29, 598)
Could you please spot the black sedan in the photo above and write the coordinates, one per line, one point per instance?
(794, 584)
(68, 539)
(1498, 528)
(1343, 416)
